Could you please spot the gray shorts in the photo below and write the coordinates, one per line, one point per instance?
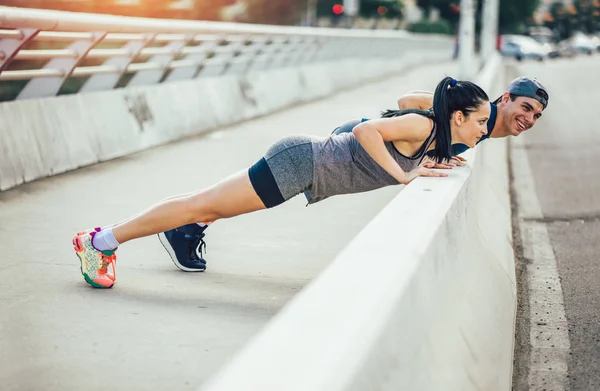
(285, 171)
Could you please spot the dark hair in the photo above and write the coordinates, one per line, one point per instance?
(513, 98)
(450, 96)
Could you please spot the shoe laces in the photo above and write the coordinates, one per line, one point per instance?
(197, 246)
(106, 261)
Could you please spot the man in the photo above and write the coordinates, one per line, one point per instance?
(516, 111)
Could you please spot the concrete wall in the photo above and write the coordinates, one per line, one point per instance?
(44, 137)
(422, 299)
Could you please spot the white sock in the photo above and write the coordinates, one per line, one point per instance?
(203, 224)
(105, 240)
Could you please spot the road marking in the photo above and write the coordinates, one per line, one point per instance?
(548, 332)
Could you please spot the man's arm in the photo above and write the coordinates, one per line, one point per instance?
(416, 100)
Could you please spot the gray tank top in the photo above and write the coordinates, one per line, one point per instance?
(342, 166)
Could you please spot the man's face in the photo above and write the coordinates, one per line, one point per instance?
(521, 114)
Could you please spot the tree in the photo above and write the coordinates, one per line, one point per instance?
(585, 18)
(449, 10)
(514, 15)
(565, 20)
(596, 15)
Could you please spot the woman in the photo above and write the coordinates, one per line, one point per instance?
(379, 152)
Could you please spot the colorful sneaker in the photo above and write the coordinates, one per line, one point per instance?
(95, 263)
(110, 273)
(185, 245)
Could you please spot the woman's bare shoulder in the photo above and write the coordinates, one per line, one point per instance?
(420, 125)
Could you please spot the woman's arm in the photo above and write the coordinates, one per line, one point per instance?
(372, 135)
(424, 100)
(416, 100)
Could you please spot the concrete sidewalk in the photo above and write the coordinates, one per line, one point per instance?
(159, 328)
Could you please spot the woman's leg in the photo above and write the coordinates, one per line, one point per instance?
(139, 214)
(231, 197)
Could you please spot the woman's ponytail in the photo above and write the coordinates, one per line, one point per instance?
(443, 140)
(449, 97)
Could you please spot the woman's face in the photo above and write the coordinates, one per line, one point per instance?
(473, 126)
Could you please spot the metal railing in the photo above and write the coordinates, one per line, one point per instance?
(52, 52)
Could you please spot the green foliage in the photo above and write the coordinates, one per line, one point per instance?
(562, 23)
(583, 15)
(514, 15)
(448, 10)
(439, 27)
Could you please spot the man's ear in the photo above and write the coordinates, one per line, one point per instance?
(506, 97)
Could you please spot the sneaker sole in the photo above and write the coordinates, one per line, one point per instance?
(165, 243)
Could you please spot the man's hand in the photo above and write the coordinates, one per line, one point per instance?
(423, 169)
(459, 161)
(455, 161)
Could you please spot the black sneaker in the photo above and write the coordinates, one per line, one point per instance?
(185, 245)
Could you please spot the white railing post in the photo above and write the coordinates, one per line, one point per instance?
(9, 46)
(221, 57)
(153, 76)
(108, 81)
(240, 56)
(489, 27)
(192, 49)
(194, 60)
(50, 86)
(466, 40)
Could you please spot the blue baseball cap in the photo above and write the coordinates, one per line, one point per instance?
(530, 88)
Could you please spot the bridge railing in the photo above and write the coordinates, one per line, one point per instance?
(46, 53)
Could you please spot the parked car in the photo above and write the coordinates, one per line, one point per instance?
(545, 37)
(522, 47)
(565, 48)
(596, 41)
(548, 45)
(583, 43)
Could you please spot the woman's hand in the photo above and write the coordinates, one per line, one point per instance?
(424, 169)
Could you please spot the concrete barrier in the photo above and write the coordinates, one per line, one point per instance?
(423, 299)
(44, 137)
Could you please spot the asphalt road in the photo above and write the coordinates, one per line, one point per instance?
(159, 328)
(563, 150)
